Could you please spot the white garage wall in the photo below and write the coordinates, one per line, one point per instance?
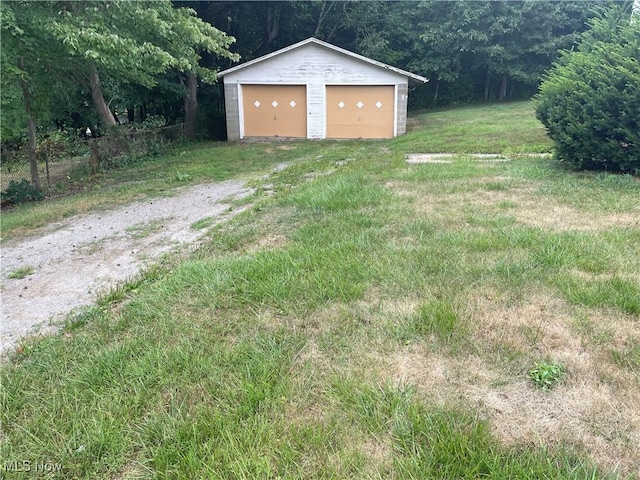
(314, 66)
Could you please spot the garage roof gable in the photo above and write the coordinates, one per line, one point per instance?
(409, 75)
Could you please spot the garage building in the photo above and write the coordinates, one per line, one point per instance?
(313, 89)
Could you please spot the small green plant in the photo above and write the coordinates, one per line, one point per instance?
(203, 223)
(182, 177)
(21, 192)
(545, 375)
(144, 229)
(21, 272)
(153, 122)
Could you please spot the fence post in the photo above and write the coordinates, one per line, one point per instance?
(94, 159)
(46, 165)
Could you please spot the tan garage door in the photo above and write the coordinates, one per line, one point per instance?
(360, 111)
(275, 110)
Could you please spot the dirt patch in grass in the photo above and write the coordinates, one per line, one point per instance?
(283, 147)
(132, 470)
(379, 452)
(565, 218)
(534, 211)
(305, 408)
(376, 306)
(633, 275)
(270, 241)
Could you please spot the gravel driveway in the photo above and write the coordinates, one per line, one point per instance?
(76, 259)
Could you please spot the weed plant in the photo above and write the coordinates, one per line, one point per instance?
(20, 273)
(545, 375)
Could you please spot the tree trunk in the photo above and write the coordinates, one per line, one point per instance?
(316, 34)
(271, 29)
(31, 146)
(503, 88)
(487, 85)
(95, 158)
(324, 14)
(435, 95)
(337, 23)
(191, 106)
(98, 98)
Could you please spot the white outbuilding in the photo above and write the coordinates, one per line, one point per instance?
(313, 89)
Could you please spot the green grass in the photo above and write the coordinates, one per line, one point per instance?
(615, 292)
(20, 273)
(509, 128)
(203, 223)
(357, 323)
(435, 319)
(144, 229)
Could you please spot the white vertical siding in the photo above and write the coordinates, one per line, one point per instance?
(314, 66)
(316, 109)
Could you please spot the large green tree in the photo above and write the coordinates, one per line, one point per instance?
(30, 76)
(485, 44)
(104, 47)
(135, 41)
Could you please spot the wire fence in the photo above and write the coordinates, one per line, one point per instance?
(63, 160)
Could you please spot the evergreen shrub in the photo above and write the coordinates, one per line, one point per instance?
(20, 192)
(590, 99)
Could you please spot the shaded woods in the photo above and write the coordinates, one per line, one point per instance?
(69, 66)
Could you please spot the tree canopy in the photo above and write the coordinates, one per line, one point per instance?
(143, 55)
(106, 45)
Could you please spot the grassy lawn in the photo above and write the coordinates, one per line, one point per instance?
(371, 319)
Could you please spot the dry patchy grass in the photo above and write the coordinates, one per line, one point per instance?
(595, 408)
(518, 200)
(268, 241)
